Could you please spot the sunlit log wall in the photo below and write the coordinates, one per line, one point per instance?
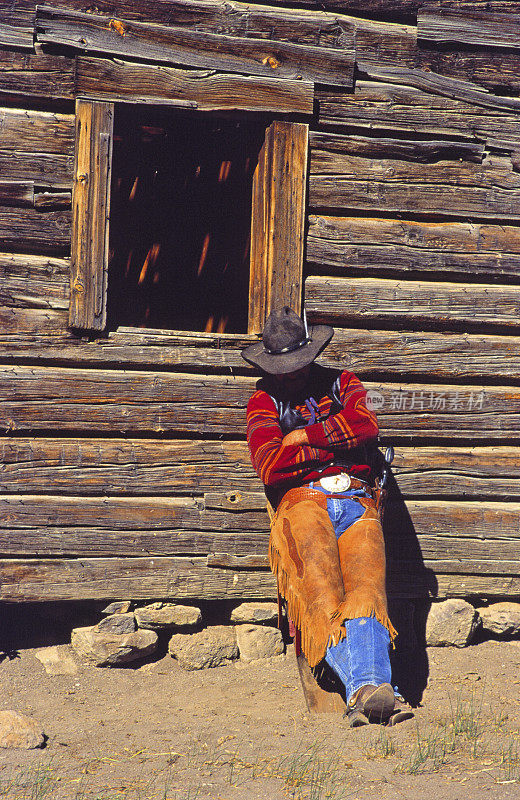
(124, 467)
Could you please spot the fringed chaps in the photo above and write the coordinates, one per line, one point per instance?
(325, 580)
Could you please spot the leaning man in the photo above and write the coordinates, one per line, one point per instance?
(307, 430)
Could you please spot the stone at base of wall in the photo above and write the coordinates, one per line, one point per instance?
(212, 647)
(20, 731)
(501, 619)
(451, 623)
(257, 641)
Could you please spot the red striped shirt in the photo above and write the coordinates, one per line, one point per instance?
(333, 434)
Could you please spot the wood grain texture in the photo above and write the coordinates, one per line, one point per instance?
(36, 131)
(34, 281)
(184, 578)
(44, 169)
(16, 29)
(17, 193)
(371, 243)
(480, 28)
(22, 322)
(33, 230)
(202, 90)
(379, 299)
(54, 398)
(370, 354)
(173, 45)
(389, 106)
(90, 214)
(278, 222)
(36, 75)
(139, 467)
(416, 150)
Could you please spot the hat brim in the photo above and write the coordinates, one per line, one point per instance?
(282, 363)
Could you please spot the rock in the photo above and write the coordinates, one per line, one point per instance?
(451, 623)
(119, 607)
(257, 641)
(18, 730)
(57, 660)
(117, 623)
(103, 648)
(212, 647)
(158, 616)
(502, 619)
(255, 613)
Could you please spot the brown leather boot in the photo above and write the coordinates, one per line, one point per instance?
(370, 704)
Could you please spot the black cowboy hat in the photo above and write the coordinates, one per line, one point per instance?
(287, 343)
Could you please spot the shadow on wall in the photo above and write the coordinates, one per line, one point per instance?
(410, 584)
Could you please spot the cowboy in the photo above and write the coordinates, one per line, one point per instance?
(308, 428)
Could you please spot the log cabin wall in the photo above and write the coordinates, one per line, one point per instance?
(124, 467)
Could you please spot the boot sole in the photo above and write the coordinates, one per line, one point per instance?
(380, 704)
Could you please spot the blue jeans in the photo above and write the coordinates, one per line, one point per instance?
(362, 657)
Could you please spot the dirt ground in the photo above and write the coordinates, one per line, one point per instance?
(156, 732)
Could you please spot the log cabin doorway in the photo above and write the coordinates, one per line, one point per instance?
(180, 219)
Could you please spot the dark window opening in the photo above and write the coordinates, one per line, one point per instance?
(180, 218)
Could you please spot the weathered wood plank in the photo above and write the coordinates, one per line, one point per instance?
(205, 91)
(369, 354)
(141, 467)
(408, 245)
(16, 30)
(133, 577)
(23, 322)
(413, 150)
(90, 214)
(34, 281)
(387, 106)
(95, 33)
(493, 173)
(44, 169)
(343, 300)
(45, 201)
(336, 192)
(36, 131)
(30, 229)
(480, 28)
(17, 193)
(36, 75)
(48, 398)
(183, 578)
(278, 222)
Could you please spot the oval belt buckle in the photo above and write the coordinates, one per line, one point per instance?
(336, 483)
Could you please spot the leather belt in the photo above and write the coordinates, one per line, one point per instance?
(355, 483)
(306, 493)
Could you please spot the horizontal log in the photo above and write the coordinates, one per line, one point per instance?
(95, 33)
(192, 578)
(53, 398)
(343, 300)
(387, 106)
(106, 578)
(479, 28)
(34, 281)
(16, 30)
(443, 85)
(17, 193)
(36, 75)
(36, 131)
(408, 245)
(46, 201)
(117, 80)
(44, 169)
(493, 173)
(30, 229)
(20, 322)
(337, 192)
(446, 356)
(141, 467)
(413, 150)
(367, 353)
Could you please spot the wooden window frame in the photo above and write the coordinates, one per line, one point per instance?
(277, 218)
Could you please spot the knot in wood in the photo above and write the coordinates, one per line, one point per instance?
(233, 497)
(118, 26)
(271, 61)
(82, 177)
(78, 286)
